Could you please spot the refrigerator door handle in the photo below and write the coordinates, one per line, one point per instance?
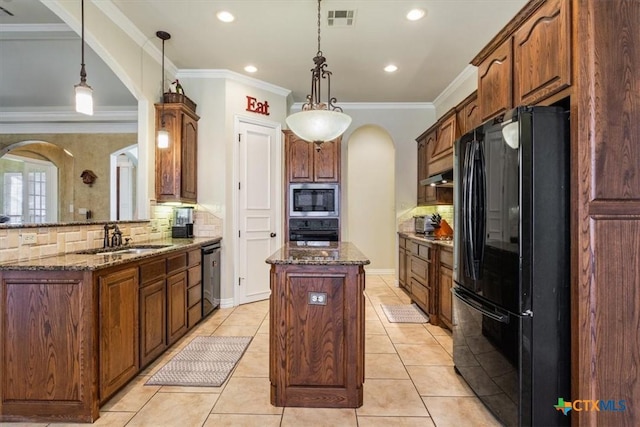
(467, 209)
(503, 318)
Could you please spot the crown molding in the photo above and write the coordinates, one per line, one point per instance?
(232, 75)
(77, 127)
(469, 72)
(297, 106)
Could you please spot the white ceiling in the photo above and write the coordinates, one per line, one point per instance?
(40, 63)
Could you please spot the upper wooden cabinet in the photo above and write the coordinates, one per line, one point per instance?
(441, 150)
(176, 166)
(528, 61)
(542, 53)
(468, 114)
(423, 142)
(308, 162)
(494, 81)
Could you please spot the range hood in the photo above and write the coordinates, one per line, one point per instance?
(443, 179)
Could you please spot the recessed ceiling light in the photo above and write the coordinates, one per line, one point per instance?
(225, 16)
(250, 69)
(390, 68)
(415, 14)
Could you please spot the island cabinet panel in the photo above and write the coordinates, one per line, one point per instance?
(50, 312)
(119, 344)
(321, 333)
(542, 53)
(317, 350)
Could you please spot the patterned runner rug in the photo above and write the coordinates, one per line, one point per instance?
(405, 313)
(204, 362)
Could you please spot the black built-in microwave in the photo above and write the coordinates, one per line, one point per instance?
(310, 199)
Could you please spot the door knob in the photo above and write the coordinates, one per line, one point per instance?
(273, 234)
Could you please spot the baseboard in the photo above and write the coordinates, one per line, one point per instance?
(226, 303)
(380, 271)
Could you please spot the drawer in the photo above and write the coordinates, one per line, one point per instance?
(194, 295)
(152, 271)
(176, 262)
(402, 242)
(194, 315)
(195, 274)
(413, 247)
(419, 292)
(419, 270)
(194, 257)
(446, 257)
(425, 251)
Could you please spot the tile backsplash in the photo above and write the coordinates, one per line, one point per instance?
(405, 222)
(33, 242)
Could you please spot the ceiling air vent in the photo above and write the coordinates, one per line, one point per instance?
(341, 18)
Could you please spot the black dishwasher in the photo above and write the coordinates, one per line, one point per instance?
(210, 278)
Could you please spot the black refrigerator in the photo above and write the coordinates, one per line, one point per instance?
(511, 334)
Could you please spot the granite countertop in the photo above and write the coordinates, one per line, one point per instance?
(318, 253)
(428, 239)
(87, 261)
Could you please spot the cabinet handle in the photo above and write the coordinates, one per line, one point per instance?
(273, 234)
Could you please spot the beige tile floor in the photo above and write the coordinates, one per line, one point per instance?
(409, 379)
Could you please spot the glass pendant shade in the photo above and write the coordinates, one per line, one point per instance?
(318, 125)
(84, 99)
(163, 138)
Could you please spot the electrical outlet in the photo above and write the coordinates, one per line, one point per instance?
(318, 298)
(29, 238)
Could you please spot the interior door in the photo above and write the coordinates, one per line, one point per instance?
(259, 201)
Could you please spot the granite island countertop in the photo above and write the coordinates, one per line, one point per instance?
(318, 253)
(78, 261)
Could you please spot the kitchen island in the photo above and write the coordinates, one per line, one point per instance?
(317, 319)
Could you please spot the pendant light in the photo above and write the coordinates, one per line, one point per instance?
(319, 121)
(84, 93)
(162, 134)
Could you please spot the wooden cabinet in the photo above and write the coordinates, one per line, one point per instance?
(435, 155)
(176, 297)
(194, 288)
(468, 114)
(153, 311)
(494, 81)
(176, 166)
(308, 162)
(317, 349)
(528, 61)
(441, 150)
(542, 53)
(445, 283)
(421, 278)
(118, 335)
(402, 264)
(422, 166)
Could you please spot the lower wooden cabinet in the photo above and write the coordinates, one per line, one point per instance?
(118, 336)
(176, 306)
(402, 264)
(153, 321)
(445, 283)
(420, 276)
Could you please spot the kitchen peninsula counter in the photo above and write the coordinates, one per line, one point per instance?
(77, 327)
(317, 318)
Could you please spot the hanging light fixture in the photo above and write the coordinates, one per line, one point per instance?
(162, 134)
(84, 93)
(318, 121)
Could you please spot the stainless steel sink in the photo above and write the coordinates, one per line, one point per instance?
(134, 249)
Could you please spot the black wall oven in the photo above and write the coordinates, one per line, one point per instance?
(314, 230)
(314, 200)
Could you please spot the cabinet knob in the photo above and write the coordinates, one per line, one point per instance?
(273, 234)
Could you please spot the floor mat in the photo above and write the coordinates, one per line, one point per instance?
(205, 362)
(405, 313)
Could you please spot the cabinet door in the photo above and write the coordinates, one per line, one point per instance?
(469, 114)
(422, 170)
(176, 165)
(119, 344)
(494, 82)
(326, 161)
(153, 321)
(542, 53)
(176, 306)
(445, 284)
(299, 158)
(402, 268)
(189, 160)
